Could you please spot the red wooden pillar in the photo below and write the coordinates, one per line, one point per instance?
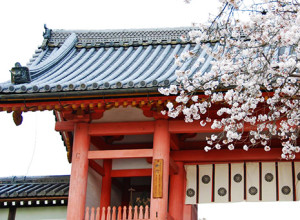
(176, 201)
(190, 212)
(106, 184)
(79, 172)
(161, 150)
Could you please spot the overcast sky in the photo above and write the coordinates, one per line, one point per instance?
(34, 148)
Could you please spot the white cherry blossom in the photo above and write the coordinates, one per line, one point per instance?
(253, 80)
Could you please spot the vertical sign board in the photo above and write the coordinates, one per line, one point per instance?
(191, 184)
(205, 183)
(221, 183)
(297, 180)
(285, 181)
(268, 179)
(252, 181)
(237, 182)
(158, 178)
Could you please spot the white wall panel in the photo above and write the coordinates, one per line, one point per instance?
(42, 213)
(237, 182)
(221, 191)
(252, 181)
(285, 181)
(297, 179)
(205, 183)
(191, 184)
(268, 179)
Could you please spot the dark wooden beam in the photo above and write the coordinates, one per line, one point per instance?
(99, 142)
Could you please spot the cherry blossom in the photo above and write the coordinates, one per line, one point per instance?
(253, 80)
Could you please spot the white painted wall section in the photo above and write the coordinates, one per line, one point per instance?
(285, 181)
(123, 114)
(221, 183)
(297, 179)
(128, 164)
(205, 183)
(93, 193)
(268, 181)
(4, 213)
(252, 182)
(191, 184)
(237, 182)
(42, 213)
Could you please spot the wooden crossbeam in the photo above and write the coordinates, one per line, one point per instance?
(131, 173)
(257, 154)
(120, 154)
(121, 128)
(144, 127)
(64, 126)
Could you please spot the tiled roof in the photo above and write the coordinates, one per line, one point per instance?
(28, 187)
(101, 60)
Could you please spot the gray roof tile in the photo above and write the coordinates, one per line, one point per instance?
(24, 187)
(112, 60)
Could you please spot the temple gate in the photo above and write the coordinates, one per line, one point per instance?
(103, 89)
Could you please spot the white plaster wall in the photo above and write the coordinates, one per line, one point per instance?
(123, 114)
(124, 164)
(93, 188)
(42, 213)
(4, 213)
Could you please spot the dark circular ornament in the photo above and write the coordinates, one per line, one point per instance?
(253, 190)
(286, 190)
(237, 178)
(269, 177)
(205, 179)
(222, 191)
(17, 117)
(298, 176)
(190, 192)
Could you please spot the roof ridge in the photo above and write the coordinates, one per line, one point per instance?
(121, 37)
(123, 30)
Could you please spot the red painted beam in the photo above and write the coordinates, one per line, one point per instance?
(131, 173)
(257, 154)
(64, 126)
(95, 166)
(121, 128)
(180, 126)
(120, 154)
